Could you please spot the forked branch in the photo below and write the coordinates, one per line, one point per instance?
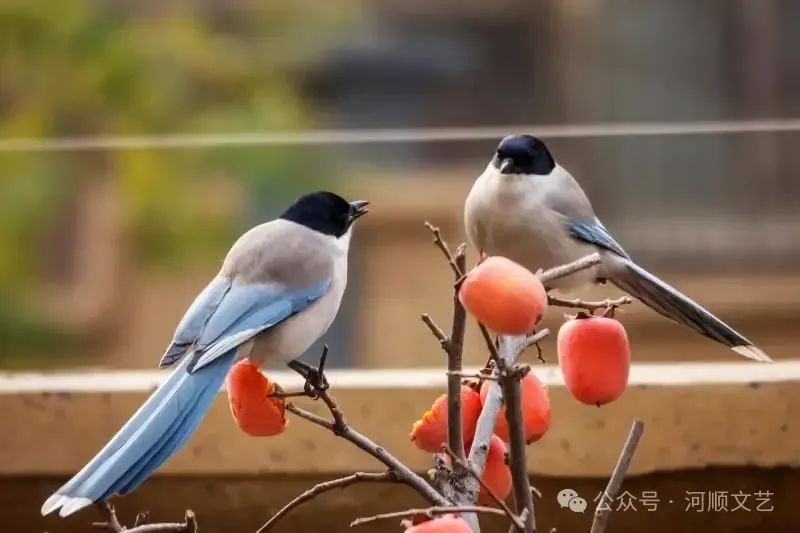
(113, 525)
(316, 387)
(319, 488)
(430, 512)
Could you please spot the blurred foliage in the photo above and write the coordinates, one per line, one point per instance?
(87, 68)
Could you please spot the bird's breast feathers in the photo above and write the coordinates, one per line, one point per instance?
(292, 337)
(514, 216)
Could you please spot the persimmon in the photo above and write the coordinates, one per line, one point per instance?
(254, 411)
(505, 296)
(445, 524)
(595, 358)
(496, 474)
(535, 402)
(430, 432)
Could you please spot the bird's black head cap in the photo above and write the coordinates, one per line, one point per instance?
(325, 212)
(523, 154)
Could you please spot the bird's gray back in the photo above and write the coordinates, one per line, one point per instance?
(283, 252)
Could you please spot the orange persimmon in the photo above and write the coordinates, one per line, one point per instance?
(508, 298)
(430, 432)
(445, 524)
(255, 412)
(594, 356)
(496, 474)
(535, 409)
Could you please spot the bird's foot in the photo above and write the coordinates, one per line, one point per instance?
(316, 382)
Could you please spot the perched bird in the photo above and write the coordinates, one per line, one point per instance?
(528, 208)
(278, 291)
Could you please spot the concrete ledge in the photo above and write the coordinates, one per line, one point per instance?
(736, 414)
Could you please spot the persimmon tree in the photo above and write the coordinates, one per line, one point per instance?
(480, 430)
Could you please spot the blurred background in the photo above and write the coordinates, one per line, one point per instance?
(104, 242)
(139, 138)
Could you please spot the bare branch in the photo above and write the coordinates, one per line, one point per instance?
(324, 487)
(523, 517)
(284, 394)
(429, 512)
(442, 245)
(533, 340)
(473, 375)
(517, 521)
(443, 339)
(537, 337)
(603, 512)
(563, 271)
(142, 517)
(455, 348)
(311, 417)
(316, 385)
(489, 342)
(588, 305)
(512, 393)
(508, 353)
(112, 524)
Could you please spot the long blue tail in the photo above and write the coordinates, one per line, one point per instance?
(154, 432)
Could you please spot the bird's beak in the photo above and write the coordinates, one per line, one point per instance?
(506, 165)
(358, 209)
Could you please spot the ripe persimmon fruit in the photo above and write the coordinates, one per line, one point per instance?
(255, 412)
(535, 401)
(595, 358)
(505, 296)
(430, 432)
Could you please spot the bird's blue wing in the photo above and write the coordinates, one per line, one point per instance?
(227, 314)
(193, 322)
(595, 233)
(245, 311)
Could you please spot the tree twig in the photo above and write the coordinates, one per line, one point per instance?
(588, 305)
(287, 394)
(429, 512)
(508, 353)
(603, 512)
(442, 245)
(517, 521)
(113, 525)
(455, 348)
(537, 337)
(436, 330)
(403, 473)
(339, 427)
(510, 383)
(324, 487)
(563, 271)
(142, 518)
(493, 353)
(453, 345)
(473, 375)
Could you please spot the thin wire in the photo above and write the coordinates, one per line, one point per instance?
(400, 135)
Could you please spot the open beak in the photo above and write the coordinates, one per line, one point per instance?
(506, 165)
(358, 209)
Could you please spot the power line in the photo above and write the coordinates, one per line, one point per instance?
(388, 135)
